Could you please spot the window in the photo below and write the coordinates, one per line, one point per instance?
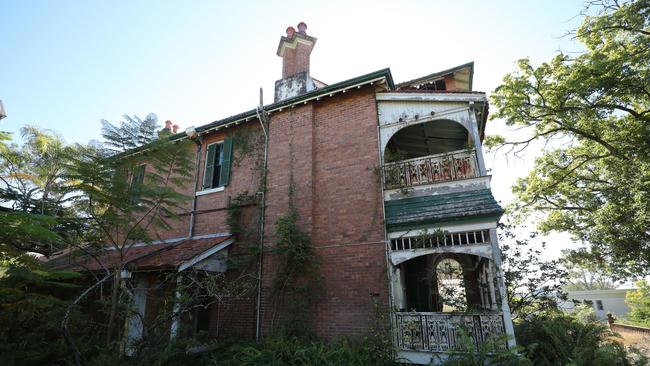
(138, 176)
(136, 183)
(599, 305)
(217, 164)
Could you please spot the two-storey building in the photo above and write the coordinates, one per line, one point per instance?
(390, 185)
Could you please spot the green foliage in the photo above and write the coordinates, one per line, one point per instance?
(283, 350)
(33, 191)
(639, 303)
(490, 352)
(533, 284)
(585, 275)
(247, 143)
(297, 279)
(32, 303)
(121, 211)
(593, 112)
(556, 338)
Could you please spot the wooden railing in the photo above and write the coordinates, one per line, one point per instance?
(438, 240)
(431, 169)
(440, 332)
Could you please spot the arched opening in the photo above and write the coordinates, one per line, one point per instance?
(449, 283)
(429, 152)
(428, 138)
(452, 296)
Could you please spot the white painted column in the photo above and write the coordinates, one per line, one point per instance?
(505, 308)
(493, 294)
(176, 319)
(477, 141)
(397, 287)
(135, 322)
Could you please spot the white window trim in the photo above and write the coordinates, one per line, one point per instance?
(211, 190)
(205, 168)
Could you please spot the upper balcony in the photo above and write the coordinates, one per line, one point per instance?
(428, 153)
(430, 169)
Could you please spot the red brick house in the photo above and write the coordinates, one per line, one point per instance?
(389, 184)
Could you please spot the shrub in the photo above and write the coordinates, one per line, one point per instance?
(557, 338)
(282, 350)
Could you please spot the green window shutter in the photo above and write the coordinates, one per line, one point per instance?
(225, 162)
(136, 183)
(138, 175)
(209, 166)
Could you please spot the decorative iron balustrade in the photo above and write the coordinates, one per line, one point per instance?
(438, 332)
(436, 240)
(431, 169)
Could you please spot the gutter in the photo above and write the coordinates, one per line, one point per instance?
(379, 77)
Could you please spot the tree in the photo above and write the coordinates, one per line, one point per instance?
(584, 275)
(534, 285)
(593, 112)
(124, 190)
(33, 191)
(639, 303)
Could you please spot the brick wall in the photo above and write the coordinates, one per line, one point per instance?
(338, 197)
(329, 147)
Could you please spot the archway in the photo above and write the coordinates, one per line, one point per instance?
(427, 138)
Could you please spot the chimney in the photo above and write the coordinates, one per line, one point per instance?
(175, 128)
(295, 48)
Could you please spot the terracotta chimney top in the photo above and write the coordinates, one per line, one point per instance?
(168, 125)
(175, 128)
(290, 31)
(295, 48)
(302, 28)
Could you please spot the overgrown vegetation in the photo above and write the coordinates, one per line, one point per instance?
(557, 338)
(297, 278)
(534, 284)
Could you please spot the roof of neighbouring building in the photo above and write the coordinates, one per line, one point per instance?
(407, 212)
(163, 255)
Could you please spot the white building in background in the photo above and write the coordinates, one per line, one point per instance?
(603, 301)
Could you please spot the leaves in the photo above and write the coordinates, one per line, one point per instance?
(639, 303)
(592, 112)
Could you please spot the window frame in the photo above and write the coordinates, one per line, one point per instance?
(225, 164)
(205, 166)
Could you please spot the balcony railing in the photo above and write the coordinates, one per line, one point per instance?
(431, 169)
(440, 240)
(439, 332)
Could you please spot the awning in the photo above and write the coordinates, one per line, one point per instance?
(412, 212)
(178, 255)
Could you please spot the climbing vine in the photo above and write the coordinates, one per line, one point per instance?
(297, 282)
(247, 142)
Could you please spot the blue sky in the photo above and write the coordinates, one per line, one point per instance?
(65, 65)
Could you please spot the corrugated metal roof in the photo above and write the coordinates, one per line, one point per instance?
(413, 211)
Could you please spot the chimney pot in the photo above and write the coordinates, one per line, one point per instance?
(175, 128)
(168, 124)
(302, 27)
(290, 32)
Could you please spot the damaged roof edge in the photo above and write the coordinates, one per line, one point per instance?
(442, 73)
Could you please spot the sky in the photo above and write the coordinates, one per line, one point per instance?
(66, 65)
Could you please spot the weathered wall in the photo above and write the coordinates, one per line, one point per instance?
(330, 149)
